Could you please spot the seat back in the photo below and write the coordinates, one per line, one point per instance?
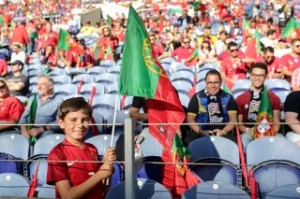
(145, 188)
(12, 165)
(101, 142)
(149, 145)
(285, 192)
(13, 185)
(45, 144)
(46, 191)
(213, 190)
(30, 167)
(14, 144)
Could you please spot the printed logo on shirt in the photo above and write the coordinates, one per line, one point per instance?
(253, 110)
(71, 163)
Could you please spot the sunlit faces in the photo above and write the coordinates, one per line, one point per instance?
(268, 57)
(213, 84)
(75, 124)
(233, 51)
(258, 77)
(296, 48)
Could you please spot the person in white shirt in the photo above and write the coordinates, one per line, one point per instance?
(18, 53)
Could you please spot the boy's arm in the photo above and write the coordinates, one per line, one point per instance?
(67, 191)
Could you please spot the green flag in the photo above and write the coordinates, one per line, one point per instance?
(63, 40)
(1, 20)
(291, 26)
(142, 75)
(264, 121)
(32, 115)
(258, 44)
(109, 20)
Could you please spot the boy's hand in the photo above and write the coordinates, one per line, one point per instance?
(110, 156)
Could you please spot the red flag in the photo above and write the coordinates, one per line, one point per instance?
(242, 156)
(123, 102)
(193, 59)
(95, 130)
(34, 182)
(80, 85)
(253, 185)
(193, 90)
(142, 75)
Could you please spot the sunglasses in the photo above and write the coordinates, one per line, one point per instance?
(233, 50)
(186, 42)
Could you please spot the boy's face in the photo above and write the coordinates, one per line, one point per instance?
(76, 125)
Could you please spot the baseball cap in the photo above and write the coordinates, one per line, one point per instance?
(17, 62)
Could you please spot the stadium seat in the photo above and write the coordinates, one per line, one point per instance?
(168, 60)
(57, 71)
(13, 185)
(240, 85)
(220, 151)
(278, 85)
(86, 89)
(214, 190)
(107, 63)
(35, 73)
(31, 165)
(182, 86)
(112, 88)
(184, 99)
(275, 162)
(61, 79)
(12, 165)
(149, 145)
(45, 144)
(126, 102)
(75, 71)
(150, 170)
(114, 70)
(106, 79)
(285, 192)
(14, 144)
(95, 70)
(23, 99)
(178, 66)
(120, 117)
(201, 75)
(105, 104)
(65, 90)
(101, 142)
(183, 76)
(84, 78)
(200, 86)
(145, 188)
(46, 191)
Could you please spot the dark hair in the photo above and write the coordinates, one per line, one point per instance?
(260, 65)
(268, 49)
(72, 105)
(213, 72)
(271, 32)
(231, 44)
(295, 40)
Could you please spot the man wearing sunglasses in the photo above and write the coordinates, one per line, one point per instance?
(233, 67)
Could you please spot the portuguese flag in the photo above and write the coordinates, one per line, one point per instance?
(63, 40)
(192, 60)
(264, 122)
(142, 75)
(291, 26)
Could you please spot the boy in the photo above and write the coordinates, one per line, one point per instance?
(72, 178)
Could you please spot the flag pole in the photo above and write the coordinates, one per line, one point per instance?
(114, 122)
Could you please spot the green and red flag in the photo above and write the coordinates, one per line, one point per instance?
(32, 115)
(63, 40)
(193, 59)
(292, 27)
(258, 44)
(142, 75)
(264, 121)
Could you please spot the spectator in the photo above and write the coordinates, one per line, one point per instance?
(76, 179)
(11, 108)
(221, 43)
(206, 53)
(139, 103)
(107, 43)
(17, 82)
(47, 37)
(290, 62)
(211, 105)
(85, 56)
(233, 67)
(270, 40)
(50, 58)
(249, 102)
(292, 116)
(157, 49)
(18, 53)
(20, 35)
(46, 111)
(184, 19)
(182, 53)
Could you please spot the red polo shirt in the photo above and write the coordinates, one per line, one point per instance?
(182, 53)
(75, 172)
(11, 109)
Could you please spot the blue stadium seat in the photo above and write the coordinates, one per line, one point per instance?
(45, 144)
(183, 76)
(240, 85)
(12, 165)
(278, 85)
(101, 142)
(145, 188)
(57, 71)
(64, 90)
(14, 144)
(61, 79)
(13, 185)
(30, 168)
(149, 145)
(214, 190)
(150, 170)
(86, 89)
(275, 159)
(182, 86)
(112, 88)
(120, 117)
(178, 66)
(105, 104)
(46, 191)
(85, 78)
(106, 79)
(107, 63)
(96, 70)
(285, 192)
(127, 102)
(184, 99)
(200, 86)
(75, 71)
(114, 70)
(220, 151)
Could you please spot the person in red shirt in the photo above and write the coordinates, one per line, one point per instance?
(50, 58)
(71, 177)
(20, 35)
(107, 44)
(158, 50)
(273, 63)
(48, 37)
(233, 67)
(249, 102)
(291, 61)
(184, 52)
(11, 108)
